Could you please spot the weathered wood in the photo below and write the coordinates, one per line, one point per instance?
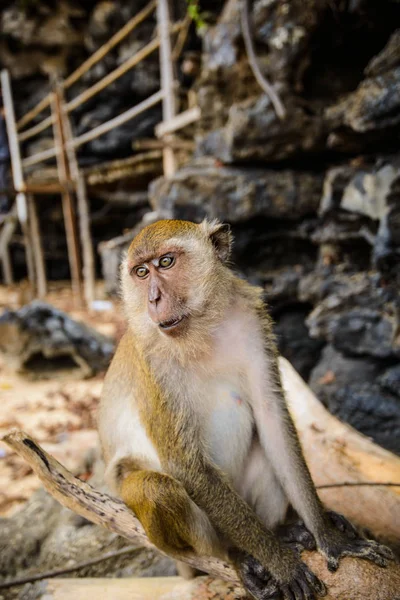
(112, 42)
(118, 72)
(143, 588)
(37, 248)
(167, 79)
(16, 167)
(176, 144)
(356, 579)
(36, 110)
(335, 452)
(34, 159)
(181, 39)
(81, 70)
(6, 266)
(117, 121)
(83, 206)
(67, 199)
(6, 234)
(178, 121)
(42, 126)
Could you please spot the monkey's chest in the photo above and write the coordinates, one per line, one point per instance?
(228, 425)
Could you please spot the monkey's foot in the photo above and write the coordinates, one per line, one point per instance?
(259, 582)
(337, 544)
(296, 536)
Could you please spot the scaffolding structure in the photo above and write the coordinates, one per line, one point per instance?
(71, 182)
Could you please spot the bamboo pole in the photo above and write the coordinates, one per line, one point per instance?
(89, 63)
(180, 42)
(167, 79)
(191, 115)
(7, 231)
(16, 167)
(67, 200)
(37, 247)
(89, 277)
(112, 42)
(6, 266)
(25, 135)
(117, 121)
(118, 72)
(36, 110)
(39, 157)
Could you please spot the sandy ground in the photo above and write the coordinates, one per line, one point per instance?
(60, 414)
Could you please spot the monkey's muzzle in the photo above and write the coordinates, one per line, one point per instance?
(172, 324)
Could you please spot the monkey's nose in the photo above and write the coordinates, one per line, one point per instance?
(154, 294)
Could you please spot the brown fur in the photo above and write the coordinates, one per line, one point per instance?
(160, 430)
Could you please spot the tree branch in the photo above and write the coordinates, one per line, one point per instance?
(357, 578)
(94, 505)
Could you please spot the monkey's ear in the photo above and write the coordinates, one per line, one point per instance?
(221, 238)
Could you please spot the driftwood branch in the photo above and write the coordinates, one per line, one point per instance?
(94, 505)
(355, 579)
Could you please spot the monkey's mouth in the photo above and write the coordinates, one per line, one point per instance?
(168, 325)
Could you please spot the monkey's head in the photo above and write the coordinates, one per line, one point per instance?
(172, 275)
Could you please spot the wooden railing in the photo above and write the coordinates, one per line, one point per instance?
(70, 180)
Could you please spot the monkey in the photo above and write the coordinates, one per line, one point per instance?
(193, 422)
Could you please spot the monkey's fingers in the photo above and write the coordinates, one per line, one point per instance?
(375, 552)
(367, 549)
(317, 585)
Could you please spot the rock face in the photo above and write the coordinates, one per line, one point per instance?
(205, 189)
(313, 200)
(43, 342)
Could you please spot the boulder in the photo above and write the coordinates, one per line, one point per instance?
(42, 342)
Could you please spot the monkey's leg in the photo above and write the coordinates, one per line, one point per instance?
(172, 521)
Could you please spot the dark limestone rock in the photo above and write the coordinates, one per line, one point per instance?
(43, 342)
(375, 105)
(253, 132)
(360, 205)
(371, 411)
(335, 371)
(359, 318)
(390, 380)
(387, 59)
(294, 342)
(204, 189)
(354, 390)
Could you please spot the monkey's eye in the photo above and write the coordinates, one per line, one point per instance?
(141, 272)
(166, 262)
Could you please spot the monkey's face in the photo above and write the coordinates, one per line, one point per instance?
(169, 276)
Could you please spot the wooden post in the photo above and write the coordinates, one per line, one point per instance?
(167, 79)
(67, 199)
(37, 247)
(17, 172)
(5, 237)
(89, 276)
(6, 265)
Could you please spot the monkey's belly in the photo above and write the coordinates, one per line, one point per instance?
(228, 428)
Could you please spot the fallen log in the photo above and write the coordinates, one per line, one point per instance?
(335, 452)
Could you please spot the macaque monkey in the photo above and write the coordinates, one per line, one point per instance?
(194, 426)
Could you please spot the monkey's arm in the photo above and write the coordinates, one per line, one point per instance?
(233, 518)
(333, 534)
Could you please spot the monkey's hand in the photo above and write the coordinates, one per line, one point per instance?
(342, 539)
(296, 581)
